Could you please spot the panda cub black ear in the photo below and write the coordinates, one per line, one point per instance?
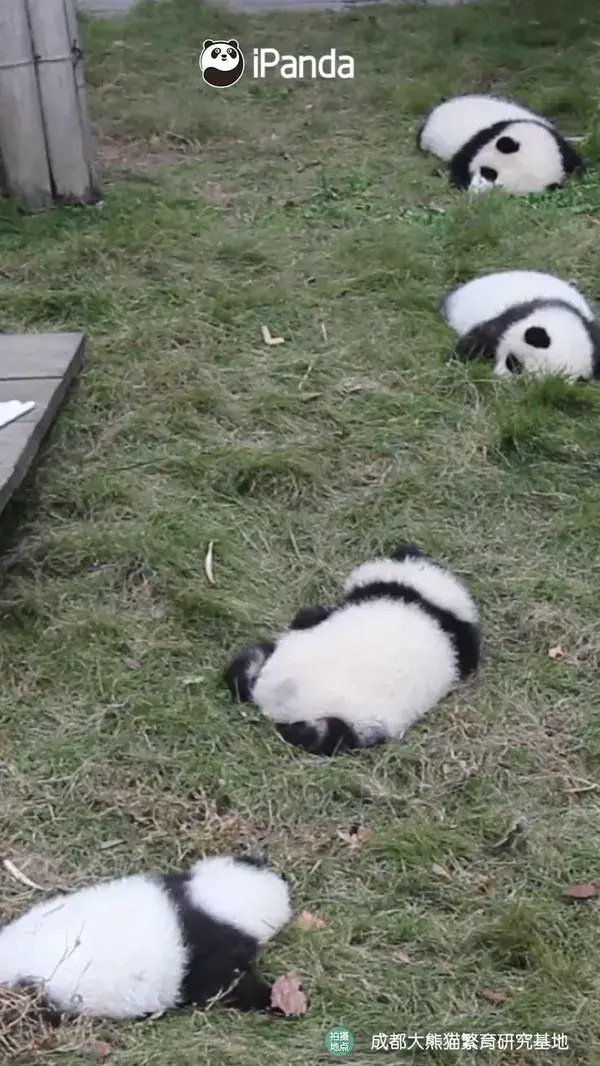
(406, 551)
(208, 44)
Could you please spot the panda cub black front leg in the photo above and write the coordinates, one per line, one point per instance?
(243, 670)
(309, 617)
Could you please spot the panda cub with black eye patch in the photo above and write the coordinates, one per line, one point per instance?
(357, 674)
(522, 320)
(490, 142)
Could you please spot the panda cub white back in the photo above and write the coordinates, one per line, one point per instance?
(490, 295)
(141, 944)
(454, 122)
(361, 673)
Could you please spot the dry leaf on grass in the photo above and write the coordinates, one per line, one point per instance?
(441, 871)
(132, 664)
(558, 652)
(492, 996)
(287, 994)
(19, 875)
(208, 564)
(585, 891)
(268, 339)
(310, 921)
(400, 956)
(356, 835)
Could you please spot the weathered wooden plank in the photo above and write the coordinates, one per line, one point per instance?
(22, 142)
(39, 355)
(20, 440)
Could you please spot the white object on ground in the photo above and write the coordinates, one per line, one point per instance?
(12, 409)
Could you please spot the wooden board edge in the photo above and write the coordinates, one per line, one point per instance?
(25, 460)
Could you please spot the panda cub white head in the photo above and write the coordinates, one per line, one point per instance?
(519, 157)
(142, 944)
(540, 338)
(360, 673)
(452, 123)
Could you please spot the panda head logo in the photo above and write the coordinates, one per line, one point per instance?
(222, 63)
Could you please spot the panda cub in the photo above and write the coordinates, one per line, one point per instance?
(360, 673)
(148, 943)
(525, 321)
(493, 143)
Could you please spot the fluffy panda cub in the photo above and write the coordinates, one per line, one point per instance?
(525, 321)
(542, 337)
(490, 142)
(141, 944)
(360, 673)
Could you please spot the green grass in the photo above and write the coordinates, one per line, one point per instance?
(305, 207)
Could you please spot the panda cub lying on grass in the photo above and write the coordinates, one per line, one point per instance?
(523, 320)
(142, 944)
(360, 673)
(492, 143)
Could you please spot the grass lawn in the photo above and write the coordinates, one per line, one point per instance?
(306, 208)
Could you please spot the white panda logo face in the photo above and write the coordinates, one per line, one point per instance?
(222, 63)
(525, 158)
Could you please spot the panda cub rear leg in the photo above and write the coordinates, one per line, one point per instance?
(252, 992)
(243, 670)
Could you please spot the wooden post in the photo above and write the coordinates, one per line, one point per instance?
(22, 141)
(68, 145)
(75, 39)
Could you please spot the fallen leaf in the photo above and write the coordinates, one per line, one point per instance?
(208, 564)
(110, 844)
(441, 871)
(268, 339)
(19, 875)
(558, 652)
(356, 835)
(306, 920)
(98, 1049)
(400, 956)
(484, 883)
(584, 891)
(492, 996)
(131, 664)
(287, 994)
